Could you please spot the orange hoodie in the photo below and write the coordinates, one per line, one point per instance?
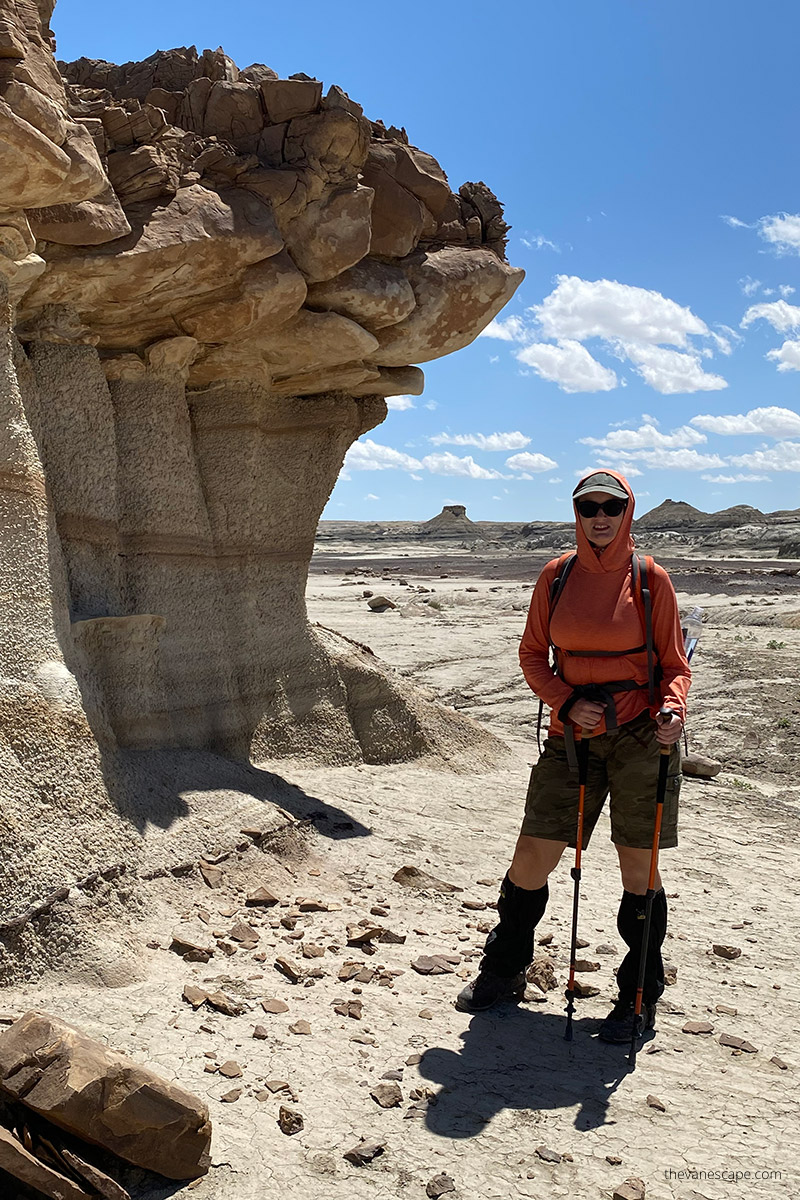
(598, 610)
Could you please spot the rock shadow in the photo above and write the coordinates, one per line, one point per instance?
(150, 787)
(518, 1059)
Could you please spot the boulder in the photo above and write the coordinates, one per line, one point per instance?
(233, 112)
(84, 223)
(700, 766)
(331, 234)
(375, 294)
(104, 1097)
(456, 290)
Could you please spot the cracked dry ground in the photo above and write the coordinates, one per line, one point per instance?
(480, 1095)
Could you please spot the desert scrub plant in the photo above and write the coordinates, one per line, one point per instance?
(784, 723)
(744, 785)
(774, 644)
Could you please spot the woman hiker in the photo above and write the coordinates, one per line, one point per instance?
(627, 703)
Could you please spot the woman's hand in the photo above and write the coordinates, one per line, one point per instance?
(586, 714)
(669, 727)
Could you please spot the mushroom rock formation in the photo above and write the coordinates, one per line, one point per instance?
(210, 279)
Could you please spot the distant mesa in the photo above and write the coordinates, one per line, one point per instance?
(452, 521)
(672, 514)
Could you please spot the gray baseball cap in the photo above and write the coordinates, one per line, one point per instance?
(600, 481)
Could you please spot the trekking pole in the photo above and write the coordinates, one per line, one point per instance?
(583, 765)
(661, 789)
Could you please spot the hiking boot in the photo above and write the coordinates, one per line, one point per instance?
(618, 1025)
(489, 989)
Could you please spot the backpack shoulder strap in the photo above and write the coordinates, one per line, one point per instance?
(641, 574)
(565, 565)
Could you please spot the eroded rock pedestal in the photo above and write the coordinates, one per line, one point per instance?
(209, 281)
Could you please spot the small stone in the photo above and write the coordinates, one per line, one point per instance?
(670, 975)
(432, 964)
(211, 874)
(439, 1185)
(392, 938)
(364, 1152)
(654, 1102)
(604, 948)
(274, 1006)
(289, 969)
(232, 1096)
(261, 898)
(230, 1069)
(630, 1189)
(584, 964)
(349, 1008)
(194, 995)
(545, 939)
(699, 766)
(542, 973)
(547, 1155)
(413, 877)
(301, 1028)
(380, 603)
(387, 1095)
(260, 1033)
(310, 950)
(473, 905)
(307, 906)
(245, 935)
(584, 991)
(377, 910)
(289, 1120)
(426, 1014)
(357, 935)
(698, 1027)
(778, 1062)
(614, 1160)
(726, 951)
(413, 1059)
(225, 1004)
(581, 943)
(726, 1010)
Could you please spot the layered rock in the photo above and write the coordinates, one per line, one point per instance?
(209, 281)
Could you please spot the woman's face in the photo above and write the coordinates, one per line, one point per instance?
(600, 529)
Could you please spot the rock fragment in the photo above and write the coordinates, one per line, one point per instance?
(274, 1005)
(729, 952)
(194, 995)
(698, 1027)
(230, 1069)
(654, 1102)
(700, 766)
(364, 1152)
(630, 1189)
(226, 1004)
(387, 1095)
(433, 964)
(439, 1186)
(547, 1155)
(414, 877)
(104, 1097)
(542, 974)
(261, 898)
(289, 1120)
(301, 1028)
(25, 1167)
(736, 1043)
(289, 969)
(380, 603)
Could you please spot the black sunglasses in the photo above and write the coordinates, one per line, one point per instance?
(611, 508)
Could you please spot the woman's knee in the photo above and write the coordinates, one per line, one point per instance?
(534, 859)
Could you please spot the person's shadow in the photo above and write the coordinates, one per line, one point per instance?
(516, 1057)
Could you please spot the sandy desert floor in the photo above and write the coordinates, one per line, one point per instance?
(481, 1097)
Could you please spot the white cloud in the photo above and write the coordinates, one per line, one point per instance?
(646, 437)
(783, 456)
(371, 456)
(787, 357)
(782, 231)
(538, 242)
(432, 405)
(736, 478)
(669, 371)
(735, 223)
(512, 329)
(786, 289)
(749, 286)
(399, 403)
(483, 441)
(667, 460)
(581, 308)
(451, 464)
(569, 365)
(774, 422)
(556, 480)
(371, 496)
(778, 313)
(531, 462)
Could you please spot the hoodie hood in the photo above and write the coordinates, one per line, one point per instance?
(617, 554)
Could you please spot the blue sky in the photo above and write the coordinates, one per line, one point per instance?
(647, 157)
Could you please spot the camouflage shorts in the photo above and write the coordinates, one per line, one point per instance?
(623, 763)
